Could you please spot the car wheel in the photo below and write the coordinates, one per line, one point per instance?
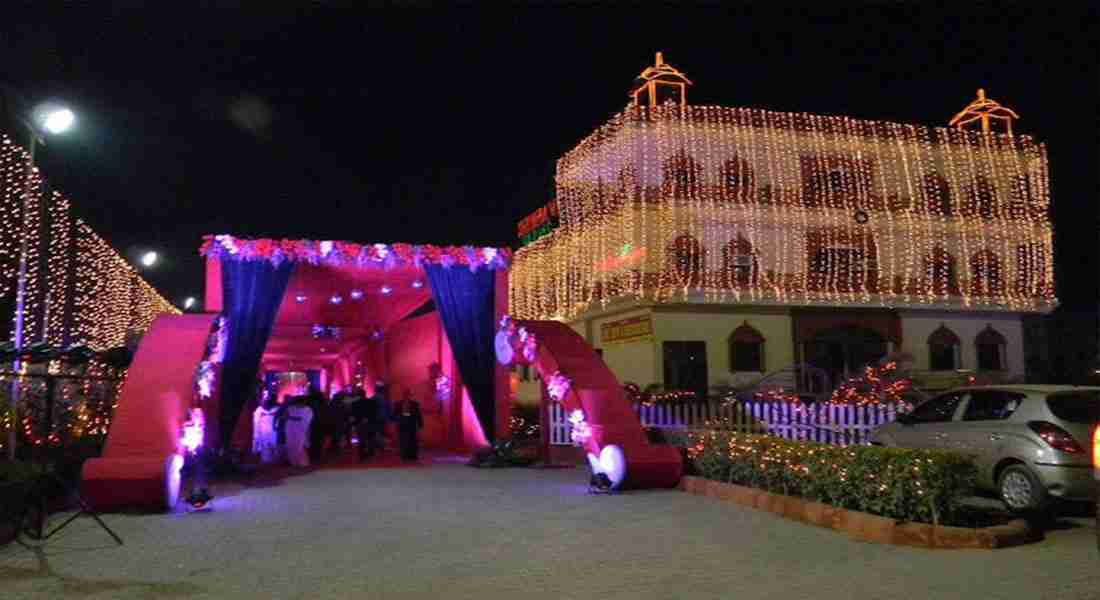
(1020, 489)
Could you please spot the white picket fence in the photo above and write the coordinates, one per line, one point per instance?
(830, 424)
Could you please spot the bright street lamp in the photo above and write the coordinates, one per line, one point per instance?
(188, 303)
(58, 120)
(149, 258)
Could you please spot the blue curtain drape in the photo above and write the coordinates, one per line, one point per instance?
(253, 291)
(465, 301)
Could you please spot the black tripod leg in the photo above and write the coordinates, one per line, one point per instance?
(85, 510)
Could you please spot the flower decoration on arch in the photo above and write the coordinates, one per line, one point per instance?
(336, 253)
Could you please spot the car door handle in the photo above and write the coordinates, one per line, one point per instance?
(995, 437)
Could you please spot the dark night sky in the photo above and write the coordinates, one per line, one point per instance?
(443, 125)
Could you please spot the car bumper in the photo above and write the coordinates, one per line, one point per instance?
(1069, 482)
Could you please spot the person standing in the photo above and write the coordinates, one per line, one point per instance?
(336, 423)
(299, 416)
(317, 425)
(381, 400)
(365, 413)
(409, 423)
(264, 441)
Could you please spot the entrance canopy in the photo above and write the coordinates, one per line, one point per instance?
(330, 307)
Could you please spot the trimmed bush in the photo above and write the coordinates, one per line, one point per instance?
(900, 483)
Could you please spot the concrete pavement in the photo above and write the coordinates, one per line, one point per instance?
(455, 532)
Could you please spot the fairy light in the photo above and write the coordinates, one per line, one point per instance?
(932, 203)
(79, 289)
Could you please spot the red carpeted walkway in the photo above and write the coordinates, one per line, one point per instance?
(141, 460)
(607, 410)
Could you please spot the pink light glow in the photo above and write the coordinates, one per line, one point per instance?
(356, 294)
(336, 299)
(386, 289)
(300, 298)
(193, 431)
(417, 284)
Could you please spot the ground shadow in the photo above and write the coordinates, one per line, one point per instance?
(83, 586)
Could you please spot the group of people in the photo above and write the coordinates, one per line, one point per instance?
(298, 428)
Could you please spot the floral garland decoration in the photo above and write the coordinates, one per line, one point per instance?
(205, 374)
(558, 385)
(333, 253)
(579, 432)
(528, 344)
(442, 388)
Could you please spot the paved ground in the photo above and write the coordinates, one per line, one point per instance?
(454, 532)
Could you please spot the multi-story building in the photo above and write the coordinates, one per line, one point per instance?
(705, 245)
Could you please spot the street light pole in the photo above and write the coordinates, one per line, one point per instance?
(21, 297)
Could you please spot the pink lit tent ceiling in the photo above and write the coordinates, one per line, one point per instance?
(345, 313)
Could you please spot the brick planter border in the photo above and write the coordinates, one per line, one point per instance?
(863, 526)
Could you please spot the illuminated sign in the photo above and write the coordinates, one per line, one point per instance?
(539, 223)
(634, 329)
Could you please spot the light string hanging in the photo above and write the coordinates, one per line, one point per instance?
(834, 210)
(80, 291)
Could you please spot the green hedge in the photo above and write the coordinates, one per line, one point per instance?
(905, 484)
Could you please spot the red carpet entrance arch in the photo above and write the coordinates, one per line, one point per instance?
(578, 378)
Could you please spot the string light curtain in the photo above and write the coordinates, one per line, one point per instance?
(79, 289)
(819, 209)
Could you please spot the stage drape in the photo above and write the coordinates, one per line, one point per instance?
(253, 290)
(464, 300)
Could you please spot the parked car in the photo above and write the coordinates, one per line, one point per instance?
(1031, 442)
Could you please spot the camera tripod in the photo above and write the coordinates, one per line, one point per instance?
(37, 498)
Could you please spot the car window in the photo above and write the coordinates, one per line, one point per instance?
(938, 409)
(992, 405)
(1076, 407)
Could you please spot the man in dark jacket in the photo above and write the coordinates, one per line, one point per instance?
(317, 425)
(365, 412)
(409, 423)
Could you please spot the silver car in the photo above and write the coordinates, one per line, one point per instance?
(1032, 443)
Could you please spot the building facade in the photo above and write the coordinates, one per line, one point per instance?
(699, 246)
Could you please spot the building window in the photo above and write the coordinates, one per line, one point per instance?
(1031, 269)
(985, 272)
(943, 350)
(737, 180)
(981, 199)
(746, 349)
(685, 366)
(991, 350)
(739, 262)
(842, 269)
(940, 265)
(686, 256)
(681, 176)
(937, 194)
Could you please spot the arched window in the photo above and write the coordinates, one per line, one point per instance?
(991, 350)
(981, 199)
(943, 350)
(746, 347)
(938, 194)
(738, 180)
(682, 176)
(740, 262)
(626, 185)
(985, 274)
(1031, 269)
(941, 266)
(685, 256)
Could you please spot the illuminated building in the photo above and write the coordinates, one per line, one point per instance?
(752, 240)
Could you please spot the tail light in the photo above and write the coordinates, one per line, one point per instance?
(1096, 446)
(1058, 438)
